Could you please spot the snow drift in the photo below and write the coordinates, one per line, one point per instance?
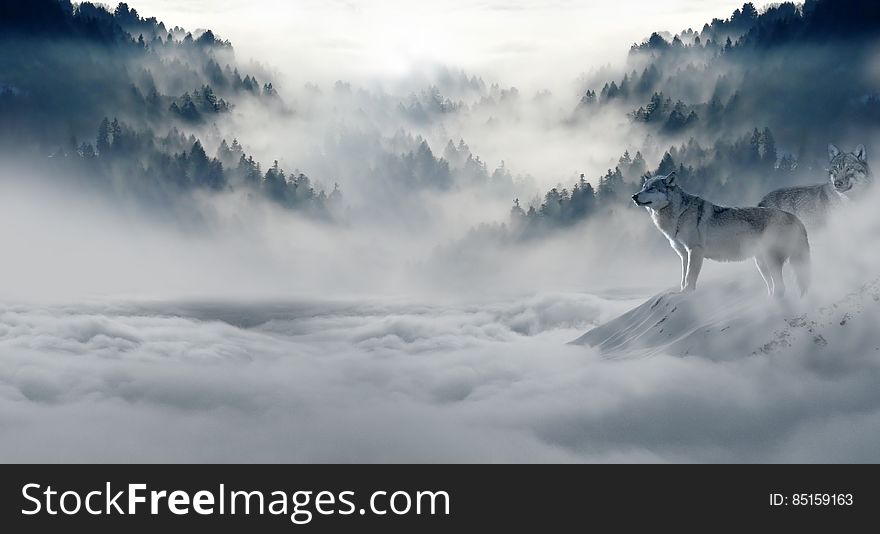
(735, 318)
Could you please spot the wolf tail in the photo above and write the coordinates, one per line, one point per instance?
(800, 261)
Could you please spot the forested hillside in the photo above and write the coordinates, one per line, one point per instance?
(739, 107)
(125, 104)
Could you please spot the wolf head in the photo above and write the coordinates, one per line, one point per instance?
(657, 192)
(847, 169)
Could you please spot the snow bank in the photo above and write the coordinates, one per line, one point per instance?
(735, 318)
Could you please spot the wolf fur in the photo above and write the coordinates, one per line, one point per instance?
(698, 229)
(813, 203)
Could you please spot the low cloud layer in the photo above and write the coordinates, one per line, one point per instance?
(463, 376)
(403, 381)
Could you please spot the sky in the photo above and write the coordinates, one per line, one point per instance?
(528, 43)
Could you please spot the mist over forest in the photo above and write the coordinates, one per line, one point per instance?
(117, 103)
(412, 243)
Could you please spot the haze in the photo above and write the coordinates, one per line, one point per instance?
(184, 281)
(531, 44)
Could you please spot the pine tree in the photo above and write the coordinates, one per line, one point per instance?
(746, 15)
(677, 119)
(517, 214)
(612, 91)
(638, 166)
(650, 77)
(769, 154)
(552, 207)
(223, 151)
(86, 151)
(714, 110)
(623, 91)
(667, 164)
(249, 171)
(103, 141)
(334, 201)
(624, 162)
(610, 186)
(116, 135)
(210, 99)
(754, 156)
(655, 108)
(237, 150)
(588, 99)
(198, 170)
(275, 183)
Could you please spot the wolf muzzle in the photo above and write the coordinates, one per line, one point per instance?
(636, 200)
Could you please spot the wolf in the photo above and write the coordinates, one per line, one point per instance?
(698, 229)
(813, 203)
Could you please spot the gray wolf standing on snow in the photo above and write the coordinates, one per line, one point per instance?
(698, 229)
(812, 203)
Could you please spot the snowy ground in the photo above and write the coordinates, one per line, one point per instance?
(731, 319)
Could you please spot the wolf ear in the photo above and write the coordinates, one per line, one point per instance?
(670, 178)
(860, 154)
(833, 151)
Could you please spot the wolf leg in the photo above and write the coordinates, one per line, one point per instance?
(764, 269)
(775, 264)
(682, 254)
(694, 264)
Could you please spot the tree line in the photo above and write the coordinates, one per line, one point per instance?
(737, 172)
(737, 71)
(160, 168)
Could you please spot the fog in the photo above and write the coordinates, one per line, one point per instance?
(382, 295)
(62, 246)
(403, 379)
(388, 41)
(113, 353)
(393, 49)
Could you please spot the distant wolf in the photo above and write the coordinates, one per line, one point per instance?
(698, 229)
(813, 203)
